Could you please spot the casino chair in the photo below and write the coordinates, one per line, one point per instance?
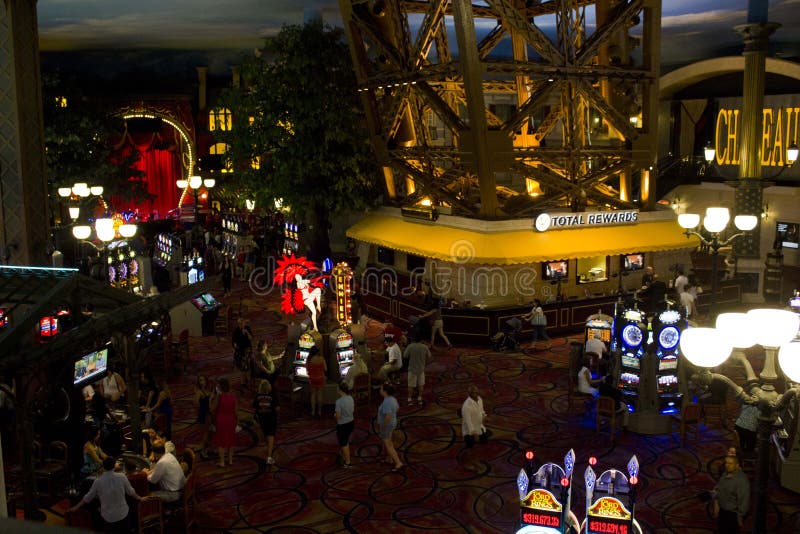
(53, 470)
(608, 411)
(150, 515)
(362, 390)
(688, 420)
(288, 392)
(183, 508)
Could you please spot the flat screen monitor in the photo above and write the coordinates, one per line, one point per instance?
(633, 262)
(91, 367)
(787, 234)
(555, 270)
(630, 361)
(209, 299)
(192, 275)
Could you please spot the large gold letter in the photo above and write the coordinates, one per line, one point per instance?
(778, 149)
(766, 134)
(720, 151)
(732, 156)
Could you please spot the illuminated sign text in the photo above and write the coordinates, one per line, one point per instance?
(778, 131)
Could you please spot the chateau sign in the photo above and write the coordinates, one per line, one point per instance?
(779, 131)
(589, 219)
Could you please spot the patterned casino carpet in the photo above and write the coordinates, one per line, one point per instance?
(306, 491)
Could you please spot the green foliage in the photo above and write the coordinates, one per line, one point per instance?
(79, 144)
(308, 129)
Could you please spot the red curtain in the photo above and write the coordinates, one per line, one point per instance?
(160, 160)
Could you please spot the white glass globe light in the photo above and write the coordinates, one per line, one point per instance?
(74, 212)
(709, 153)
(77, 187)
(689, 220)
(127, 230)
(81, 231)
(789, 360)
(64, 192)
(96, 190)
(182, 184)
(737, 329)
(209, 183)
(705, 347)
(773, 328)
(745, 222)
(716, 219)
(105, 229)
(195, 182)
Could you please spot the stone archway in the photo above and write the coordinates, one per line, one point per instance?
(679, 79)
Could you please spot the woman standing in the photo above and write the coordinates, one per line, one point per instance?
(344, 422)
(538, 322)
(317, 370)
(387, 422)
(202, 397)
(265, 406)
(264, 368)
(225, 420)
(163, 406)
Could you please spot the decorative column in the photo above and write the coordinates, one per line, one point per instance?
(24, 215)
(749, 189)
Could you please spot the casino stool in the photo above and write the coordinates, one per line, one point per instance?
(288, 392)
(687, 420)
(362, 389)
(608, 410)
(149, 515)
(183, 508)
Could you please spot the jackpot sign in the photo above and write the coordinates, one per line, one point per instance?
(541, 508)
(608, 516)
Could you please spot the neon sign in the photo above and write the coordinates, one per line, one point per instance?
(541, 519)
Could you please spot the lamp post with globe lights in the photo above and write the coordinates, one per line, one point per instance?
(774, 330)
(195, 182)
(715, 222)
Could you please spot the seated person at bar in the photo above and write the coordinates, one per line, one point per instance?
(93, 455)
(167, 474)
(587, 384)
(394, 357)
(111, 487)
(150, 438)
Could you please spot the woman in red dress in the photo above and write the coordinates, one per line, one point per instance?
(225, 420)
(317, 369)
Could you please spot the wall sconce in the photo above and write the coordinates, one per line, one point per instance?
(675, 204)
(765, 212)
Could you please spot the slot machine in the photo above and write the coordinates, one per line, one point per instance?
(345, 350)
(667, 328)
(545, 498)
(195, 270)
(48, 328)
(304, 346)
(611, 500)
(631, 337)
(3, 317)
(786, 441)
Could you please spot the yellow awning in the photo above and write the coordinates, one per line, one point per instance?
(518, 246)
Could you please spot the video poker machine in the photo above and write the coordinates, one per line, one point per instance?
(545, 498)
(342, 353)
(599, 326)
(667, 328)
(611, 500)
(304, 345)
(631, 340)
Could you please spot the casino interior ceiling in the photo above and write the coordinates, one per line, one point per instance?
(501, 108)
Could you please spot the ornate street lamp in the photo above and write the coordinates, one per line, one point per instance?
(774, 330)
(715, 222)
(195, 182)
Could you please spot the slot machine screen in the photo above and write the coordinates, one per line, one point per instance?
(199, 303)
(209, 299)
(668, 364)
(603, 334)
(48, 326)
(787, 234)
(343, 370)
(91, 367)
(301, 371)
(667, 380)
(300, 356)
(629, 378)
(192, 275)
(345, 356)
(630, 361)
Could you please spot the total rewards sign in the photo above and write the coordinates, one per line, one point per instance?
(541, 513)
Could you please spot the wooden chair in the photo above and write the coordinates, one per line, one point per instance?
(362, 390)
(288, 392)
(52, 470)
(150, 515)
(608, 411)
(687, 420)
(191, 461)
(185, 506)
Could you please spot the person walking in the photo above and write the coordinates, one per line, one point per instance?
(317, 369)
(387, 422)
(265, 407)
(111, 488)
(473, 429)
(731, 496)
(539, 323)
(242, 341)
(225, 408)
(437, 325)
(345, 422)
(418, 355)
(202, 398)
(263, 366)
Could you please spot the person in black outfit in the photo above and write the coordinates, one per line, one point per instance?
(242, 339)
(654, 295)
(227, 275)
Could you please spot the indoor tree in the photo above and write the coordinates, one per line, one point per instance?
(298, 130)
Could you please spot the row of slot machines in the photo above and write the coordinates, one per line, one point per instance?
(167, 250)
(341, 355)
(545, 494)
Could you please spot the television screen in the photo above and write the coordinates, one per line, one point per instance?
(209, 299)
(91, 367)
(192, 275)
(787, 234)
(603, 334)
(553, 270)
(633, 262)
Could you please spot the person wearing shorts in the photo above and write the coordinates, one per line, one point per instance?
(387, 421)
(418, 355)
(344, 422)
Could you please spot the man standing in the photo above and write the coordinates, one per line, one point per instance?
(688, 302)
(732, 496)
(418, 355)
(473, 418)
(648, 276)
(111, 488)
(395, 359)
(681, 281)
(167, 474)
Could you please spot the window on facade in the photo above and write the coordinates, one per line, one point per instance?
(220, 149)
(61, 101)
(220, 119)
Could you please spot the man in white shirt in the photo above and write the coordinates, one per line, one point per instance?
(167, 474)
(473, 417)
(681, 282)
(111, 488)
(688, 302)
(395, 362)
(593, 344)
